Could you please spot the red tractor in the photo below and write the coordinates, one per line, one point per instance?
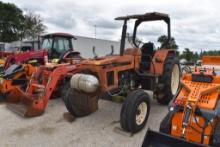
(54, 45)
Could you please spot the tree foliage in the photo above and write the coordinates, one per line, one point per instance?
(32, 26)
(14, 25)
(11, 19)
(163, 40)
(211, 52)
(189, 55)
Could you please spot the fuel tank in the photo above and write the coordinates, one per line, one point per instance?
(84, 82)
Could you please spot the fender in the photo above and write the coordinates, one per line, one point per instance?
(157, 65)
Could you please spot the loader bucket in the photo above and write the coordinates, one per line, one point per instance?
(156, 139)
(24, 105)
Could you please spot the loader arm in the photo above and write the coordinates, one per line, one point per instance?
(34, 101)
(24, 56)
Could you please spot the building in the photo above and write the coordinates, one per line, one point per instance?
(102, 47)
(82, 44)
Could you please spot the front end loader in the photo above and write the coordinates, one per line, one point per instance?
(126, 75)
(194, 113)
(46, 81)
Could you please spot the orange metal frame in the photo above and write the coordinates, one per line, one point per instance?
(197, 94)
(130, 60)
(51, 75)
(211, 60)
(7, 86)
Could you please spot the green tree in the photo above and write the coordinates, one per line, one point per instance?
(211, 53)
(14, 25)
(196, 56)
(163, 40)
(32, 26)
(187, 54)
(11, 19)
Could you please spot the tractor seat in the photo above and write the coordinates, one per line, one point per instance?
(13, 69)
(147, 51)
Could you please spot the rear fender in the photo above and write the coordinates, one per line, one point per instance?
(157, 64)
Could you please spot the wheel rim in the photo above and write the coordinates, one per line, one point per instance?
(175, 78)
(141, 113)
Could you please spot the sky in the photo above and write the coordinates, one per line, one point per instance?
(194, 23)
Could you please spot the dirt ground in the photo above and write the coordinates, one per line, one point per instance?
(54, 129)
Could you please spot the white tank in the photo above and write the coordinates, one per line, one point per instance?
(84, 82)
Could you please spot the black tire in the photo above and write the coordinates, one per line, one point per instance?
(216, 135)
(164, 93)
(77, 103)
(67, 102)
(129, 111)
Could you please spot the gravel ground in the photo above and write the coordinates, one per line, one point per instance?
(53, 129)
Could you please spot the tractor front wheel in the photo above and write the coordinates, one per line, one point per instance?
(135, 111)
(169, 82)
(80, 104)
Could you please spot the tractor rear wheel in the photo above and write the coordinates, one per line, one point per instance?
(216, 135)
(169, 82)
(67, 102)
(80, 104)
(135, 111)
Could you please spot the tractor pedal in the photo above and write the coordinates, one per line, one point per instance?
(122, 132)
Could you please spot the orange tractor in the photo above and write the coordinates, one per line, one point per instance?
(55, 46)
(194, 113)
(126, 75)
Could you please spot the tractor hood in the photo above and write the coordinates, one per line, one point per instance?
(108, 60)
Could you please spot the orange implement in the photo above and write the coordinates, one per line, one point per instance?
(16, 76)
(194, 114)
(45, 81)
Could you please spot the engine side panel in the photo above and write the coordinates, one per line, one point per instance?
(107, 69)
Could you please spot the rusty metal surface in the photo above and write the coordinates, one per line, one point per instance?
(146, 16)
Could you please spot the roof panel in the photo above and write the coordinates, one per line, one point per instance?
(146, 16)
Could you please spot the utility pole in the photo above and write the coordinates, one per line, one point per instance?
(95, 30)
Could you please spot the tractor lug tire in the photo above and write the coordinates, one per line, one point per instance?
(135, 111)
(80, 104)
(164, 92)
